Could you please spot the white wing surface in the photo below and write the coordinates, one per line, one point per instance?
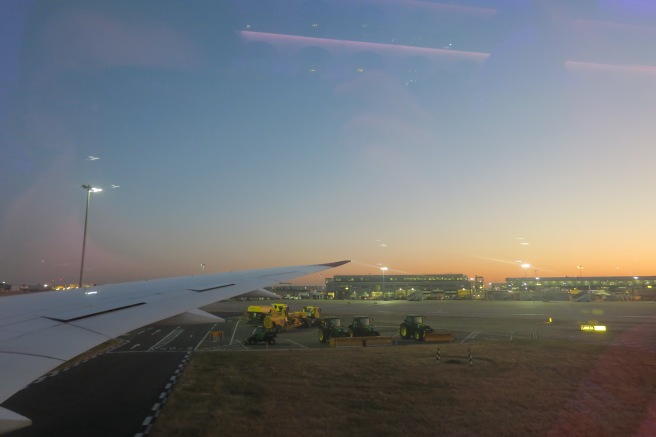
(40, 331)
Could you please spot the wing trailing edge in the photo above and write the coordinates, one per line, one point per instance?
(10, 421)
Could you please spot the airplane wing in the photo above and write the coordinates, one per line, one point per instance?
(40, 331)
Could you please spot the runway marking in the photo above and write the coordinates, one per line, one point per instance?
(136, 345)
(202, 339)
(234, 331)
(297, 344)
(169, 338)
(241, 344)
(149, 420)
(471, 336)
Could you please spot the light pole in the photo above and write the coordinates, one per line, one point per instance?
(525, 266)
(90, 190)
(384, 269)
(580, 274)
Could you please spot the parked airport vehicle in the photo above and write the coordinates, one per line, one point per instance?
(362, 326)
(305, 318)
(271, 317)
(331, 327)
(309, 316)
(256, 313)
(414, 327)
(262, 335)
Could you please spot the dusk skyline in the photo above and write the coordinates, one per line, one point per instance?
(457, 137)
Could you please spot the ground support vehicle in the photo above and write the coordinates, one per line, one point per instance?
(281, 309)
(307, 317)
(414, 327)
(273, 322)
(256, 313)
(272, 317)
(362, 326)
(262, 335)
(331, 327)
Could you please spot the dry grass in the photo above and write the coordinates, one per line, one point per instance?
(514, 388)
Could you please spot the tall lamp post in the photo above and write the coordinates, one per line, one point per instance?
(384, 269)
(90, 190)
(526, 266)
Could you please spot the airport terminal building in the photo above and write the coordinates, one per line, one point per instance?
(585, 287)
(433, 286)
(461, 286)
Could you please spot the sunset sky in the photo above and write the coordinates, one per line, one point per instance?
(455, 137)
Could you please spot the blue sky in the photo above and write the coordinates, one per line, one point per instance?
(453, 137)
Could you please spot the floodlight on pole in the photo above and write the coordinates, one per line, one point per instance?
(384, 269)
(525, 266)
(89, 190)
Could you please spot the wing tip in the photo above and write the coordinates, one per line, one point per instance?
(10, 421)
(335, 264)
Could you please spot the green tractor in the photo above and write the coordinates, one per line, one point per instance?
(331, 327)
(362, 326)
(262, 335)
(414, 327)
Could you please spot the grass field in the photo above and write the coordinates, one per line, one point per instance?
(511, 389)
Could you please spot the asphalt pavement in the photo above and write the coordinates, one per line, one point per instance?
(121, 391)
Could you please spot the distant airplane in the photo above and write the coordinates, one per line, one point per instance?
(92, 158)
(40, 331)
(114, 186)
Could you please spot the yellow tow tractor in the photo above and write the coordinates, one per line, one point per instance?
(308, 316)
(267, 315)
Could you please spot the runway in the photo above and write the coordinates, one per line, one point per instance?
(120, 392)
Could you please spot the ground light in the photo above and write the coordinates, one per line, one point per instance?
(593, 326)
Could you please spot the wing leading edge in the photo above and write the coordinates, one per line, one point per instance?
(39, 332)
